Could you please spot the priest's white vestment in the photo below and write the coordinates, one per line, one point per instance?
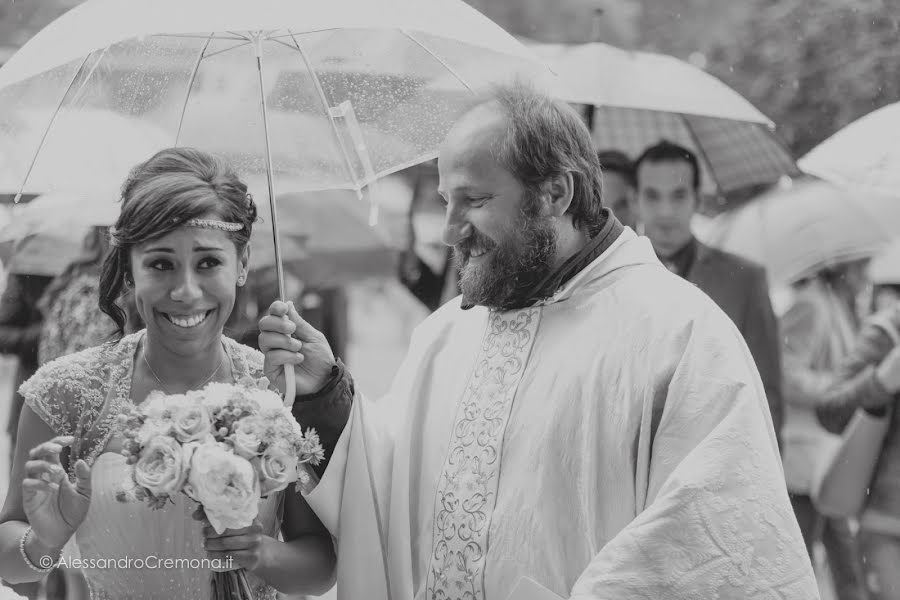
(612, 443)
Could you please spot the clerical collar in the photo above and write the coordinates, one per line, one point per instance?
(681, 261)
(600, 243)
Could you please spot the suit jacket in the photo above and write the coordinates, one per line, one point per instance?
(740, 289)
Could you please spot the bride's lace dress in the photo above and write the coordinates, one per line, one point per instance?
(82, 395)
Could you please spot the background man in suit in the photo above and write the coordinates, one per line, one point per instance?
(619, 186)
(668, 180)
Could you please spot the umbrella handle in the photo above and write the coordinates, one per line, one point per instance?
(290, 387)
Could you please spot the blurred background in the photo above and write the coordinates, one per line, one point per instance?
(811, 66)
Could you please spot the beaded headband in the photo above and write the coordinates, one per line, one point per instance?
(212, 224)
(230, 227)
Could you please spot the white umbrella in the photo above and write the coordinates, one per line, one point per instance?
(798, 229)
(639, 98)
(864, 154)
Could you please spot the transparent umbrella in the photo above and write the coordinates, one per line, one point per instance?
(88, 163)
(361, 69)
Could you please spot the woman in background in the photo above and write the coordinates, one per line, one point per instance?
(869, 378)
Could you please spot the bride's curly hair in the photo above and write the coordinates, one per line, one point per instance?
(159, 195)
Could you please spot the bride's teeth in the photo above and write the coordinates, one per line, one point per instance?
(189, 322)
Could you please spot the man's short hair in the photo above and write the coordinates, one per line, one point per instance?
(666, 151)
(546, 138)
(615, 161)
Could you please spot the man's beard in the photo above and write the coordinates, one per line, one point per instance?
(516, 265)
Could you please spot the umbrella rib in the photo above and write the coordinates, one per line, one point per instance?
(190, 85)
(437, 58)
(277, 40)
(62, 100)
(324, 99)
(229, 49)
(291, 34)
(188, 36)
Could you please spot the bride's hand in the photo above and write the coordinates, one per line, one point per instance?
(53, 505)
(243, 546)
(293, 341)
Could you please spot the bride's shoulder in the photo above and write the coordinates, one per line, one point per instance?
(71, 368)
(64, 388)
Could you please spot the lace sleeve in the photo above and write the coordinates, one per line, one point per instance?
(246, 361)
(60, 390)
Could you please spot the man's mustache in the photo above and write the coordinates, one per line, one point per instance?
(477, 240)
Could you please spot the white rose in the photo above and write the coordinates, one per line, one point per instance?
(226, 485)
(162, 467)
(247, 437)
(153, 428)
(191, 422)
(277, 469)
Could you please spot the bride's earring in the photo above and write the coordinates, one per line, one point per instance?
(242, 279)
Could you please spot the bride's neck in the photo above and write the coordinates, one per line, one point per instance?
(180, 371)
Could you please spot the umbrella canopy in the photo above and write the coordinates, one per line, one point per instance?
(604, 75)
(640, 98)
(76, 158)
(332, 229)
(797, 230)
(345, 82)
(864, 154)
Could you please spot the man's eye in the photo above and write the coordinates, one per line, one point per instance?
(478, 200)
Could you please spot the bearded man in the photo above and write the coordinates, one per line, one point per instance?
(580, 421)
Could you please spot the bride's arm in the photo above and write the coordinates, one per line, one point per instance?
(13, 522)
(304, 563)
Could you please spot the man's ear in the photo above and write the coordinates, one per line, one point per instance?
(557, 193)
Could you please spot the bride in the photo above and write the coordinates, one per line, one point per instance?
(180, 247)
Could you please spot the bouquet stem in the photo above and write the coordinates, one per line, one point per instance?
(231, 585)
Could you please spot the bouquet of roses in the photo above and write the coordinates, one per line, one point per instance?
(225, 446)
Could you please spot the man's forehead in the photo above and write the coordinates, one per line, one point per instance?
(475, 135)
(670, 172)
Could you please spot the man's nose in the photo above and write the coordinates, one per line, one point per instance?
(666, 209)
(187, 288)
(456, 227)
